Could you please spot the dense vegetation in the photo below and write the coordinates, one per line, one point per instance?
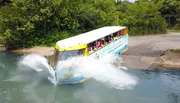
(26, 23)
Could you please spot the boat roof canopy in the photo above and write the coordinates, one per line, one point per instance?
(88, 37)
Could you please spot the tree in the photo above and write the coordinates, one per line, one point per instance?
(171, 12)
(140, 19)
(4, 2)
(26, 23)
(22, 19)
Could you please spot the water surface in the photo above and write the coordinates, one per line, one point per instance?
(154, 86)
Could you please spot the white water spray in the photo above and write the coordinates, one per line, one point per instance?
(32, 68)
(104, 70)
(35, 62)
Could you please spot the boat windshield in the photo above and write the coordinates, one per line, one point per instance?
(63, 55)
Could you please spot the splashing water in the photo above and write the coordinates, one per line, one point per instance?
(35, 62)
(105, 70)
(32, 68)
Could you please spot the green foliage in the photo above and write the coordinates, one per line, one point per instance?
(171, 12)
(142, 17)
(26, 23)
(174, 50)
(50, 39)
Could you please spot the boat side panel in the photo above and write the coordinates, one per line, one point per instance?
(72, 80)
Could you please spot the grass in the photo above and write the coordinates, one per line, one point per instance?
(173, 30)
(174, 50)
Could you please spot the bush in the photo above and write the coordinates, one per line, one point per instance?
(2, 40)
(140, 19)
(177, 27)
(52, 38)
(27, 23)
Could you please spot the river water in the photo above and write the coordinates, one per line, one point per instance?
(153, 86)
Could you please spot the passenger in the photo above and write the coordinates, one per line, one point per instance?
(91, 50)
(111, 39)
(115, 37)
(103, 42)
(118, 34)
(106, 42)
(89, 47)
(94, 46)
(122, 32)
(99, 45)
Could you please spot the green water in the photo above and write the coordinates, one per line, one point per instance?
(154, 86)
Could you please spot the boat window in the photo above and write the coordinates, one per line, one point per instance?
(123, 32)
(92, 47)
(103, 41)
(108, 39)
(63, 55)
(98, 44)
(120, 34)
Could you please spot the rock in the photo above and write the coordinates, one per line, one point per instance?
(169, 60)
(2, 48)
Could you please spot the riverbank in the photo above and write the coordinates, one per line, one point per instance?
(2, 48)
(145, 52)
(37, 50)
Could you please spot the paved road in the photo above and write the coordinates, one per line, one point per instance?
(153, 45)
(143, 50)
